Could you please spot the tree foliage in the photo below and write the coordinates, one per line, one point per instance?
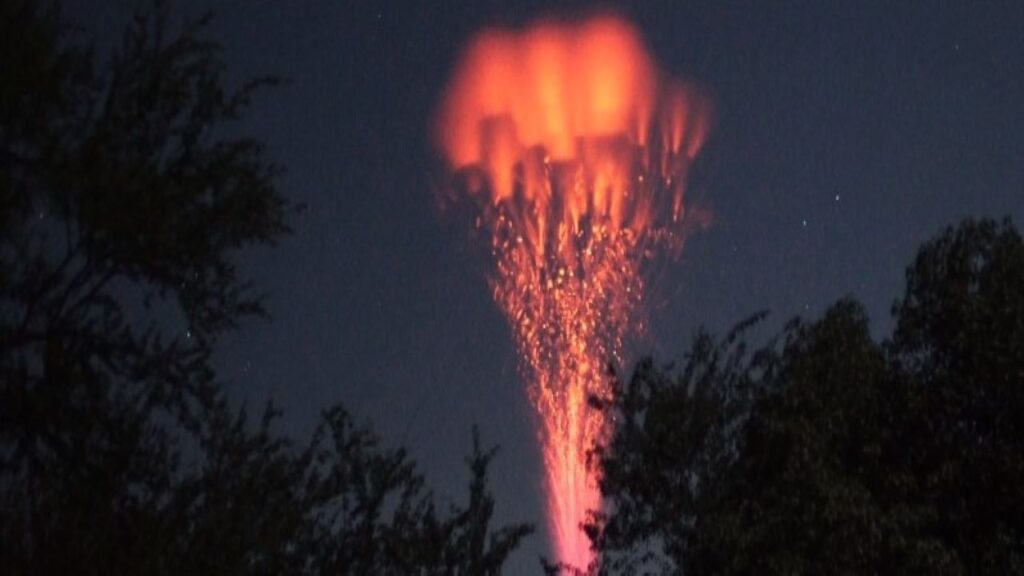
(959, 347)
(826, 452)
(125, 196)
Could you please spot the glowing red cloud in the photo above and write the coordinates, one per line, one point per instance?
(576, 150)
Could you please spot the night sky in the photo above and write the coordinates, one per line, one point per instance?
(845, 137)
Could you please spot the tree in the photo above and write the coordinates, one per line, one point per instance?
(674, 438)
(959, 344)
(342, 505)
(823, 451)
(124, 198)
(121, 211)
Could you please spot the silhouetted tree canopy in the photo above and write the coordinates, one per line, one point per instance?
(125, 195)
(826, 452)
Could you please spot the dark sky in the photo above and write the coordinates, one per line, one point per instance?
(845, 138)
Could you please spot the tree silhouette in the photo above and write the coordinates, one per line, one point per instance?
(124, 198)
(120, 213)
(959, 345)
(824, 451)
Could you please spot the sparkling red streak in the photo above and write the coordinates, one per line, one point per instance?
(576, 150)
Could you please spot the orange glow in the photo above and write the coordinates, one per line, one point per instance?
(575, 149)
